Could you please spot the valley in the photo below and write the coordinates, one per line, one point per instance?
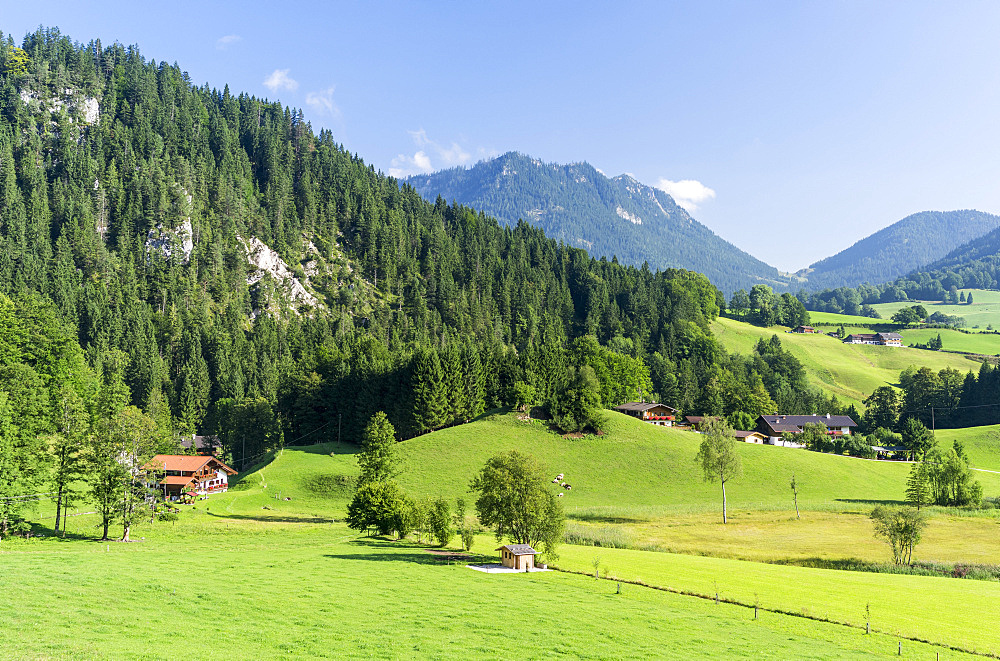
(262, 396)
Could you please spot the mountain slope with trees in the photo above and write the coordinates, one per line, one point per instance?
(610, 217)
(204, 262)
(904, 246)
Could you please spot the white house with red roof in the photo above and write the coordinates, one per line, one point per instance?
(177, 473)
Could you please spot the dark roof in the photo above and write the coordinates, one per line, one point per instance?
(776, 426)
(518, 549)
(889, 448)
(641, 406)
(800, 420)
(206, 443)
(890, 336)
(862, 336)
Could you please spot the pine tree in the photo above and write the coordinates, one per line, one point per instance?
(472, 369)
(918, 489)
(430, 406)
(454, 385)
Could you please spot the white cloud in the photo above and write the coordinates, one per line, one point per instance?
(323, 103)
(222, 43)
(280, 80)
(430, 156)
(688, 193)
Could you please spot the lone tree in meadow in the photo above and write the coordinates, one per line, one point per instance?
(516, 500)
(377, 458)
(718, 457)
(901, 528)
(795, 494)
(378, 501)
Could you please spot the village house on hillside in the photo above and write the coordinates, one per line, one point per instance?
(657, 414)
(803, 329)
(880, 339)
(773, 426)
(750, 437)
(177, 473)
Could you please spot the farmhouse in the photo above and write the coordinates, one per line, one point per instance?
(803, 329)
(177, 473)
(517, 556)
(880, 339)
(657, 414)
(773, 426)
(750, 437)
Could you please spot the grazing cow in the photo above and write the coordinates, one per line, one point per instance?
(568, 486)
(559, 495)
(555, 481)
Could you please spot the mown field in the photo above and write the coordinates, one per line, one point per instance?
(273, 562)
(850, 371)
(251, 585)
(984, 311)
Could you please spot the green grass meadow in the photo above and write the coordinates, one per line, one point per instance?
(251, 587)
(849, 371)
(269, 570)
(984, 311)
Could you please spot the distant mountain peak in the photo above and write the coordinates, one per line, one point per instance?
(907, 245)
(609, 216)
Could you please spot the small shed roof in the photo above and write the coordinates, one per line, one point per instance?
(518, 549)
(744, 434)
(890, 448)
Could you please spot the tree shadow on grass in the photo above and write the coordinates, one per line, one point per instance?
(381, 549)
(273, 519)
(592, 517)
(869, 501)
(46, 532)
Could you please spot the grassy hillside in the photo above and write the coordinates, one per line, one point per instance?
(982, 444)
(984, 311)
(834, 318)
(850, 371)
(636, 469)
(953, 340)
(296, 583)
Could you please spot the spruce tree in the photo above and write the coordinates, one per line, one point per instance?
(918, 489)
(430, 406)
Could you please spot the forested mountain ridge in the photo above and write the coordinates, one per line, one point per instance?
(905, 246)
(617, 216)
(137, 206)
(973, 265)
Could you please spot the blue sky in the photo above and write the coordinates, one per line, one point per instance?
(792, 129)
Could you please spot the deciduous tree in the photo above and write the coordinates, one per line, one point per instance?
(516, 501)
(718, 458)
